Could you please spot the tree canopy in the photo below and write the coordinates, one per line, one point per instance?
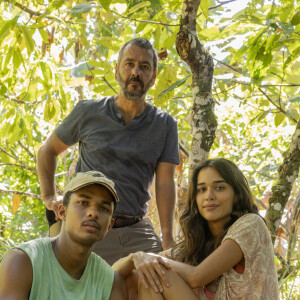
(55, 53)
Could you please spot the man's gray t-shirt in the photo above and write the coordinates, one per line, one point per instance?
(127, 154)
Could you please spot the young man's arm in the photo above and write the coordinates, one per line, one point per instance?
(46, 162)
(165, 198)
(15, 276)
(119, 290)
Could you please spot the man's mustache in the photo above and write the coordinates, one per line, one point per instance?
(136, 79)
(91, 222)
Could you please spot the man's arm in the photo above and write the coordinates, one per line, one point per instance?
(15, 276)
(119, 290)
(165, 199)
(46, 162)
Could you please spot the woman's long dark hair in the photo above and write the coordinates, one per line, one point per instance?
(197, 241)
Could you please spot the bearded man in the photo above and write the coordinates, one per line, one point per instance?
(129, 141)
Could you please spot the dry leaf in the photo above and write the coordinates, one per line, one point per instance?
(16, 202)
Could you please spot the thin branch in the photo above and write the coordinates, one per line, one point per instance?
(281, 258)
(24, 8)
(27, 150)
(103, 77)
(228, 66)
(20, 101)
(31, 12)
(18, 166)
(278, 107)
(12, 192)
(19, 161)
(262, 85)
(217, 6)
(144, 21)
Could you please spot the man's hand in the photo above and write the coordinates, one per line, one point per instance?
(52, 202)
(150, 270)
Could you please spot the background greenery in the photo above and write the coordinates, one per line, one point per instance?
(55, 53)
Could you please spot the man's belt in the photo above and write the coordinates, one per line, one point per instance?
(125, 220)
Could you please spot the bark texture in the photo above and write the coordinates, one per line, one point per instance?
(189, 48)
(287, 174)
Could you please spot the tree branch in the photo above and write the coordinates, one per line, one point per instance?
(24, 8)
(23, 165)
(278, 107)
(288, 171)
(28, 151)
(144, 21)
(12, 192)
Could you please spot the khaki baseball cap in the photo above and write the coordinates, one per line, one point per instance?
(82, 179)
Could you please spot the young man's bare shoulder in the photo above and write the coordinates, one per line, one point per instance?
(15, 275)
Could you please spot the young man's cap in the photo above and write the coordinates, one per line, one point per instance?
(82, 179)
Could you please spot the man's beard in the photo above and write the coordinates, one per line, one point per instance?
(133, 95)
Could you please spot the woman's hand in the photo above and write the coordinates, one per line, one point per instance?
(150, 268)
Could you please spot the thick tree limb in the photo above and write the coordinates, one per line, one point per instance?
(200, 62)
(287, 173)
(12, 192)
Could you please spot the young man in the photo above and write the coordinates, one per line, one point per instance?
(65, 267)
(129, 141)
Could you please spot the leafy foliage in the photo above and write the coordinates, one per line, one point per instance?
(54, 53)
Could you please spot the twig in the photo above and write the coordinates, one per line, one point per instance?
(12, 192)
(228, 66)
(144, 21)
(27, 150)
(19, 161)
(103, 77)
(24, 8)
(216, 6)
(278, 107)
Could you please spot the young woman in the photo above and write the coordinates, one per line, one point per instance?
(226, 251)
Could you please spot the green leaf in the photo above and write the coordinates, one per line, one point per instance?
(49, 110)
(6, 27)
(28, 39)
(204, 5)
(175, 85)
(105, 3)
(294, 99)
(81, 8)
(278, 119)
(17, 58)
(47, 74)
(286, 28)
(3, 89)
(44, 35)
(139, 6)
(296, 18)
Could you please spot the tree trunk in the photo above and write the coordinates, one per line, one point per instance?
(189, 48)
(287, 174)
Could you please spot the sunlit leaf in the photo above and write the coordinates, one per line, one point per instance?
(106, 3)
(28, 39)
(278, 119)
(81, 8)
(173, 86)
(16, 202)
(139, 6)
(204, 5)
(296, 18)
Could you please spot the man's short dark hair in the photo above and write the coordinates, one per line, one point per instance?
(143, 43)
